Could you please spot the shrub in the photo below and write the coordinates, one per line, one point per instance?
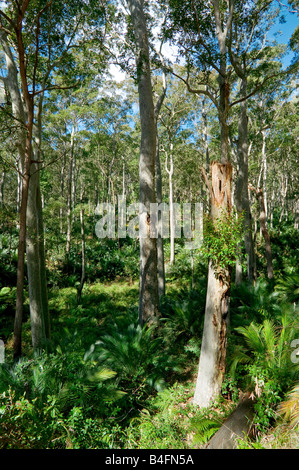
(267, 369)
(139, 357)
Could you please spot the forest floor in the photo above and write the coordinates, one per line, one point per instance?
(103, 301)
(169, 418)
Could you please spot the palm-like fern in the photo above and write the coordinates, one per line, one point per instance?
(267, 345)
(204, 429)
(136, 354)
(183, 314)
(253, 303)
(288, 287)
(289, 408)
(65, 377)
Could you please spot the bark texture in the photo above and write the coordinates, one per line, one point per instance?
(241, 195)
(148, 288)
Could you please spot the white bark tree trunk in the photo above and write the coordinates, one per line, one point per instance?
(213, 349)
(70, 187)
(171, 207)
(148, 283)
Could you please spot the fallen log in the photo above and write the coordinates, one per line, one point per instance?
(237, 426)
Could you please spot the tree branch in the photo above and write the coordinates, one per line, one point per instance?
(56, 87)
(258, 87)
(207, 181)
(195, 91)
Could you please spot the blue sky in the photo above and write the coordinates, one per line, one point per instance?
(286, 30)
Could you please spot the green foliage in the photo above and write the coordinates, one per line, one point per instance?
(221, 239)
(24, 425)
(182, 318)
(289, 408)
(253, 303)
(285, 249)
(267, 369)
(106, 260)
(8, 251)
(56, 400)
(64, 375)
(204, 428)
(164, 423)
(139, 357)
(288, 288)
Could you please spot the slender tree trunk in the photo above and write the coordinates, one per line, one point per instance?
(264, 230)
(265, 233)
(33, 263)
(69, 196)
(242, 195)
(148, 288)
(283, 192)
(264, 160)
(19, 186)
(171, 207)
(2, 180)
(17, 337)
(205, 134)
(43, 275)
(83, 262)
(35, 250)
(74, 186)
(24, 144)
(159, 194)
(160, 247)
(63, 162)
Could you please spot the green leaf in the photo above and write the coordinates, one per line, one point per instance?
(4, 291)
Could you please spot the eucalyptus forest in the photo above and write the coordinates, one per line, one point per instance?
(149, 211)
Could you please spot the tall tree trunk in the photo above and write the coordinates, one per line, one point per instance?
(19, 185)
(2, 180)
(12, 83)
(242, 195)
(263, 225)
(83, 262)
(214, 342)
(171, 206)
(213, 349)
(24, 145)
(69, 195)
(34, 262)
(160, 247)
(148, 288)
(264, 160)
(17, 338)
(63, 162)
(35, 250)
(159, 194)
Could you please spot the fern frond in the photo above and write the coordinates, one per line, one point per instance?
(290, 407)
(101, 375)
(204, 429)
